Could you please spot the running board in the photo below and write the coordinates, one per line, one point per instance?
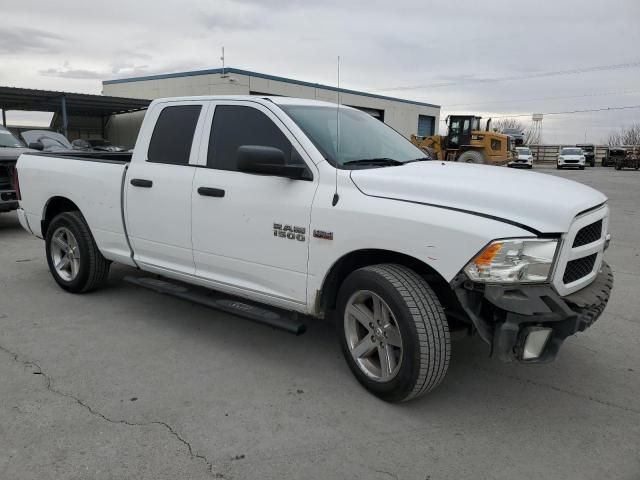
(279, 319)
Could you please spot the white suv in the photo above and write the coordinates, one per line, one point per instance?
(525, 158)
(571, 157)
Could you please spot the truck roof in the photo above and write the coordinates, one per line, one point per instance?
(264, 99)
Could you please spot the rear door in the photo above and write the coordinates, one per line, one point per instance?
(251, 232)
(158, 187)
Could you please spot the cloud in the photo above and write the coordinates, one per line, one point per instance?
(474, 48)
(227, 22)
(21, 40)
(117, 69)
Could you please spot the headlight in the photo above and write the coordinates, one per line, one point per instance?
(513, 260)
(560, 158)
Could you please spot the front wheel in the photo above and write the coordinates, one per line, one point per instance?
(471, 156)
(393, 332)
(581, 167)
(74, 260)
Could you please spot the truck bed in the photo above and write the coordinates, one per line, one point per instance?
(91, 180)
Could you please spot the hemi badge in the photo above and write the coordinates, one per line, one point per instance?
(323, 234)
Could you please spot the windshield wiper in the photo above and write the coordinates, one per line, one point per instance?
(374, 161)
(421, 159)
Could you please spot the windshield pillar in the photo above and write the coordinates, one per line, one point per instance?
(4, 118)
(63, 107)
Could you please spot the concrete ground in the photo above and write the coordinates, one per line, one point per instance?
(125, 383)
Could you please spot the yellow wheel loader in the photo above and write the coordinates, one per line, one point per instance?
(465, 142)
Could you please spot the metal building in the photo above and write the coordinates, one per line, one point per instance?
(406, 116)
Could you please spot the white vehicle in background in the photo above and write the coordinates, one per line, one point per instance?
(571, 157)
(525, 158)
(276, 207)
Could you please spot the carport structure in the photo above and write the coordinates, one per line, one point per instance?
(67, 104)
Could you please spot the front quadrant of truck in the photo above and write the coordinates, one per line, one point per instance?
(300, 206)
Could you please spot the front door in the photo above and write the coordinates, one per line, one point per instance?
(251, 232)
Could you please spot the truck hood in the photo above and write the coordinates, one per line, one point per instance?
(544, 203)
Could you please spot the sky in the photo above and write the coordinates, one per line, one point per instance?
(494, 58)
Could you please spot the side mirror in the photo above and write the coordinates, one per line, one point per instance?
(268, 161)
(36, 146)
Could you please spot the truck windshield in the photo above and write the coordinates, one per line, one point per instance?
(571, 151)
(361, 140)
(7, 139)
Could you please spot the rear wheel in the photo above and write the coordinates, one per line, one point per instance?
(74, 260)
(393, 332)
(471, 156)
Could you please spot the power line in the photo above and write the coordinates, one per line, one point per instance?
(519, 100)
(603, 109)
(574, 71)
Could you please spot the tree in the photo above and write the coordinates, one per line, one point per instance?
(531, 137)
(625, 136)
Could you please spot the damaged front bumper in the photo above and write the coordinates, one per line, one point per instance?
(506, 316)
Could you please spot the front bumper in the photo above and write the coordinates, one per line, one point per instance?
(520, 163)
(504, 314)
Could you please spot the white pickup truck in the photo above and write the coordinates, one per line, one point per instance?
(274, 208)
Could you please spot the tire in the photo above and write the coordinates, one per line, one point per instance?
(618, 166)
(581, 167)
(530, 167)
(84, 271)
(558, 167)
(471, 156)
(414, 316)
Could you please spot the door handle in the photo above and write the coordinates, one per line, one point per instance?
(141, 182)
(211, 192)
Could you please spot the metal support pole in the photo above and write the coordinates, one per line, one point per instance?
(63, 104)
(4, 118)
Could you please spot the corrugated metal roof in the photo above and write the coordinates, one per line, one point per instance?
(82, 104)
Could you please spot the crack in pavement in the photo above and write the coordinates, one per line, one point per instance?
(49, 385)
(392, 475)
(558, 389)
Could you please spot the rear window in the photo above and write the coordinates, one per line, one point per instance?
(173, 135)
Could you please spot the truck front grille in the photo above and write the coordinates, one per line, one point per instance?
(579, 268)
(589, 234)
(581, 252)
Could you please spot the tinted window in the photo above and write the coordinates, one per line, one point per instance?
(234, 126)
(173, 135)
